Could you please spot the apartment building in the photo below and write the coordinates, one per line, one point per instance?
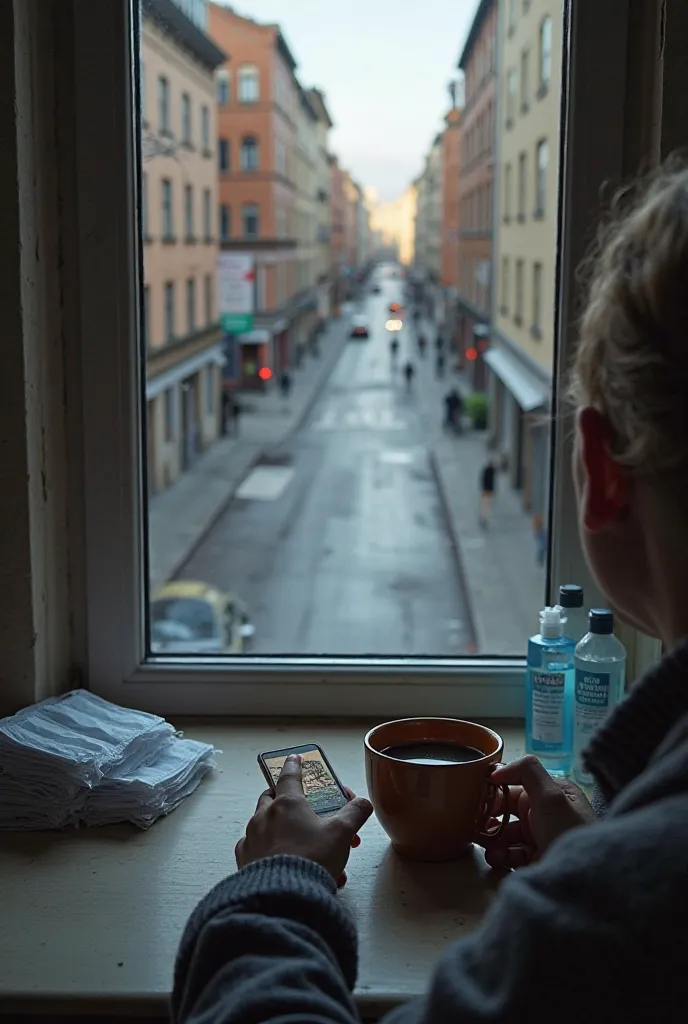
(182, 340)
(322, 186)
(305, 316)
(427, 267)
(478, 62)
(258, 111)
(521, 354)
(449, 243)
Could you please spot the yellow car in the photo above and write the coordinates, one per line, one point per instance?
(195, 618)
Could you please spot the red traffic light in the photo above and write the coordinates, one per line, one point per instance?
(265, 373)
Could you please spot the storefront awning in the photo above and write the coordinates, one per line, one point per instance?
(529, 392)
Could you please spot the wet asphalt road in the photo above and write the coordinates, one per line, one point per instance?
(345, 549)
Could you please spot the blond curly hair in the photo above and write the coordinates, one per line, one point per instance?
(632, 358)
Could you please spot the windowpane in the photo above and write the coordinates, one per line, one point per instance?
(356, 529)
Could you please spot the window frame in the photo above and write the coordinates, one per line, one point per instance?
(191, 311)
(164, 106)
(187, 119)
(248, 74)
(224, 235)
(224, 166)
(189, 226)
(108, 283)
(169, 316)
(541, 173)
(544, 54)
(249, 154)
(250, 210)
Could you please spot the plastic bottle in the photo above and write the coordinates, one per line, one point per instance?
(549, 693)
(571, 600)
(600, 675)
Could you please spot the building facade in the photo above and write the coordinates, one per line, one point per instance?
(521, 355)
(427, 267)
(323, 222)
(258, 112)
(449, 253)
(478, 63)
(183, 344)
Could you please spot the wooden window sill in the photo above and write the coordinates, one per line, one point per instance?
(93, 917)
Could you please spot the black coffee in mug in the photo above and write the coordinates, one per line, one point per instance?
(433, 752)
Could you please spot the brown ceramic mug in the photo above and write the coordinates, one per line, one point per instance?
(433, 812)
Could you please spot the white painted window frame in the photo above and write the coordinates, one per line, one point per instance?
(109, 281)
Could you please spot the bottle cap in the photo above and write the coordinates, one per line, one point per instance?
(570, 596)
(601, 621)
(552, 622)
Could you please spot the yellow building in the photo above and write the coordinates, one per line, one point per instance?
(393, 224)
(521, 354)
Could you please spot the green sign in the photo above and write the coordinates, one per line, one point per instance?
(236, 323)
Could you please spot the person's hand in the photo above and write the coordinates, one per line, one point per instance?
(285, 822)
(545, 808)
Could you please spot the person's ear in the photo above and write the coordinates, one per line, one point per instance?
(606, 486)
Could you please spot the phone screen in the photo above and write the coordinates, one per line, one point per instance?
(319, 784)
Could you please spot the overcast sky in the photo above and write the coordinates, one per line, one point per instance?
(384, 66)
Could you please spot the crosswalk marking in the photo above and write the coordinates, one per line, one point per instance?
(360, 419)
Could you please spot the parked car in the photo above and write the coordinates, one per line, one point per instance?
(189, 617)
(360, 328)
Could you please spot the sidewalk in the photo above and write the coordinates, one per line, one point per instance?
(504, 586)
(181, 516)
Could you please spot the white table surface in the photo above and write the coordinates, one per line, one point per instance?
(91, 919)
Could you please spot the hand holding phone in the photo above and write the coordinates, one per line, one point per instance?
(284, 822)
(322, 788)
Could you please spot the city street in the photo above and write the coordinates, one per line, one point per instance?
(337, 539)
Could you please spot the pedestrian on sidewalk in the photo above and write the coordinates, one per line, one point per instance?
(409, 372)
(453, 405)
(487, 489)
(439, 342)
(422, 344)
(285, 384)
(439, 364)
(394, 348)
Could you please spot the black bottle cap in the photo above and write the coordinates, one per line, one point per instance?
(570, 596)
(601, 620)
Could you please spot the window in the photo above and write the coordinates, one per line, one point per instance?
(163, 105)
(187, 134)
(223, 88)
(189, 212)
(168, 312)
(522, 185)
(205, 129)
(380, 688)
(210, 390)
(167, 211)
(249, 153)
(225, 222)
(223, 155)
(207, 215)
(505, 285)
(542, 160)
(208, 296)
(250, 220)
(536, 326)
(280, 158)
(510, 98)
(518, 305)
(191, 304)
(169, 412)
(144, 206)
(143, 92)
(545, 53)
(507, 192)
(525, 86)
(249, 84)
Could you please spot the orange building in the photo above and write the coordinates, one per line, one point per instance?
(337, 233)
(451, 166)
(258, 100)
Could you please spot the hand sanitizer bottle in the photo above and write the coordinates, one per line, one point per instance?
(600, 676)
(549, 693)
(571, 600)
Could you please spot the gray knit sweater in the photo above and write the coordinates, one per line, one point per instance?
(596, 931)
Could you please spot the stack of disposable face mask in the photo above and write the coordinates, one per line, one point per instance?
(80, 759)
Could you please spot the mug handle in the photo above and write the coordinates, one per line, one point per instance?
(497, 831)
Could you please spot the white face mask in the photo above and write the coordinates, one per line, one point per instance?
(80, 735)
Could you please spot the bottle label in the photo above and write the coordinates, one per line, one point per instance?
(592, 703)
(548, 706)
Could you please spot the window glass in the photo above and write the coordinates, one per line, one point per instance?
(288, 190)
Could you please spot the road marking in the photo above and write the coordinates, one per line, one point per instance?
(360, 419)
(397, 458)
(265, 483)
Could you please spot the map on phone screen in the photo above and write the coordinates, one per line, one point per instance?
(322, 792)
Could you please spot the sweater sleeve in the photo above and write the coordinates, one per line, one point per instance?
(271, 944)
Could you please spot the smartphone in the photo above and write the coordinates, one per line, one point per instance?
(321, 786)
